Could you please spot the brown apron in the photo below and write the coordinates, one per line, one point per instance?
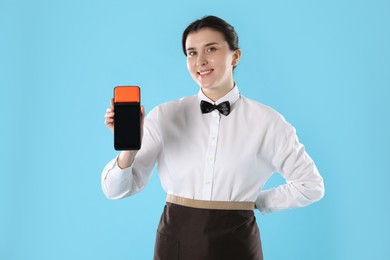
(188, 233)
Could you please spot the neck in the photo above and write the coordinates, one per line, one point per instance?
(215, 94)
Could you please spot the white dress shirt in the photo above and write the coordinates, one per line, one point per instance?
(220, 158)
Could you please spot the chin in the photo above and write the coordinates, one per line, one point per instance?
(205, 85)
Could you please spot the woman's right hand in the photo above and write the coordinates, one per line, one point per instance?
(125, 158)
(109, 117)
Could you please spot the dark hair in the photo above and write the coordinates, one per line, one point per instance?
(215, 23)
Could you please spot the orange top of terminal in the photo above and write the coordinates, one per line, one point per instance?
(126, 94)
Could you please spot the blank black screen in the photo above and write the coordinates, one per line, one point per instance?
(127, 129)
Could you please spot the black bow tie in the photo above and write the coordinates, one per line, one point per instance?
(223, 108)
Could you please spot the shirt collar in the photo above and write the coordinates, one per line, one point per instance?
(232, 96)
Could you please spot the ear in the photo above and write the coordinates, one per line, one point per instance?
(236, 57)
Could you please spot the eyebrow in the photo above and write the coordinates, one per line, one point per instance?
(206, 45)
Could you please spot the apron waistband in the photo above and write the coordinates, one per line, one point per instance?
(206, 204)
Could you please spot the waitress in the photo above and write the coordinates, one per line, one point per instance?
(215, 151)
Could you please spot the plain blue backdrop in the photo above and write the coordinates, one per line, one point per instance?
(325, 65)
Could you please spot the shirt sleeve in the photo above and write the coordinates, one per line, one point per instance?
(304, 185)
(118, 183)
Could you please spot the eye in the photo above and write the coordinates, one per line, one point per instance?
(211, 49)
(191, 53)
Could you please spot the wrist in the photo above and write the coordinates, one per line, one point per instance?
(126, 158)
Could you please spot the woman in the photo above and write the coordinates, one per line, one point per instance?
(215, 151)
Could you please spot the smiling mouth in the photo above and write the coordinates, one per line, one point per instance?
(204, 72)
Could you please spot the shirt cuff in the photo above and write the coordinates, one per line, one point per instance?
(113, 170)
(115, 181)
(260, 203)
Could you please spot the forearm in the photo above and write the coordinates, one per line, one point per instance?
(293, 194)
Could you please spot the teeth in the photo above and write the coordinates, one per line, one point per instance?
(204, 72)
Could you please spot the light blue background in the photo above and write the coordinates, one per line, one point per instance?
(325, 65)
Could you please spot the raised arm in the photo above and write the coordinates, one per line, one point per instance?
(130, 171)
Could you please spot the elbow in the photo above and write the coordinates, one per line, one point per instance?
(313, 188)
(316, 192)
(119, 190)
(316, 196)
(310, 192)
(114, 193)
(109, 194)
(322, 191)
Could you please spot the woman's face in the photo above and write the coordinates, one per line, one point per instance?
(210, 60)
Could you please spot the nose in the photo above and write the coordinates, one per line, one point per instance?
(201, 60)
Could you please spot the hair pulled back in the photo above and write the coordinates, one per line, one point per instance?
(215, 23)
